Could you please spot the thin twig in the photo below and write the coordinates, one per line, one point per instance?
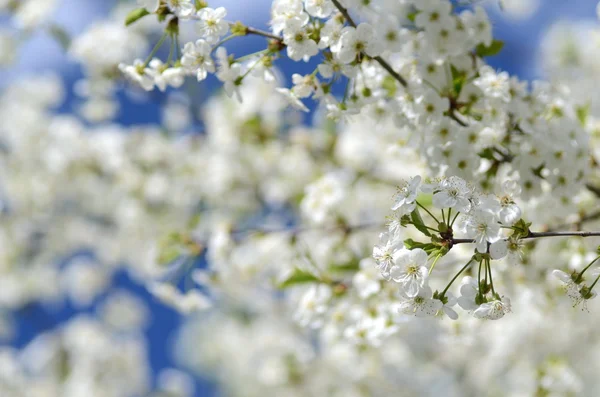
(561, 234)
(263, 33)
(294, 231)
(593, 189)
(537, 235)
(586, 218)
(378, 59)
(453, 116)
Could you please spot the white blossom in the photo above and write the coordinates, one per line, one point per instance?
(299, 44)
(406, 196)
(422, 304)
(229, 74)
(493, 310)
(355, 41)
(409, 270)
(452, 192)
(211, 25)
(197, 59)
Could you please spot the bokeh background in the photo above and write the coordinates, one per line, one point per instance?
(522, 25)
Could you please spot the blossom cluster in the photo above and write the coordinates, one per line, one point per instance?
(419, 66)
(478, 216)
(263, 226)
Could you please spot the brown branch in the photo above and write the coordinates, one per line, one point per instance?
(384, 64)
(453, 116)
(537, 235)
(586, 218)
(295, 231)
(263, 33)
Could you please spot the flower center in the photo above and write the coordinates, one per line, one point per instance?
(359, 46)
(412, 270)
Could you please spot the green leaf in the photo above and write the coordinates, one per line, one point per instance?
(299, 277)
(458, 79)
(352, 265)
(427, 247)
(411, 244)
(60, 35)
(487, 153)
(389, 84)
(418, 222)
(194, 221)
(412, 16)
(168, 254)
(135, 15)
(169, 248)
(488, 51)
(538, 170)
(521, 228)
(582, 113)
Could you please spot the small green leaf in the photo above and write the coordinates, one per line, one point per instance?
(389, 84)
(459, 78)
(538, 170)
(487, 153)
(135, 15)
(418, 222)
(427, 247)
(582, 113)
(488, 51)
(60, 35)
(351, 266)
(411, 244)
(299, 277)
(170, 247)
(412, 16)
(168, 255)
(194, 221)
(521, 228)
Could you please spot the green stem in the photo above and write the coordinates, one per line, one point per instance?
(156, 48)
(244, 57)
(429, 212)
(346, 90)
(434, 262)
(454, 278)
(226, 39)
(580, 277)
(253, 66)
(454, 219)
(177, 48)
(594, 283)
(489, 268)
(479, 276)
(171, 51)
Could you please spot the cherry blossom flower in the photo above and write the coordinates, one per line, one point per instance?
(355, 41)
(422, 304)
(211, 25)
(409, 270)
(197, 59)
